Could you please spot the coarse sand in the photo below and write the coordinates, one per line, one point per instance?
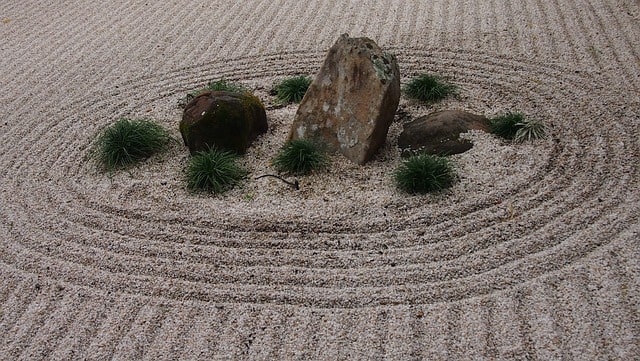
(534, 253)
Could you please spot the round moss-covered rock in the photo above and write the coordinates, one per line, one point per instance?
(223, 120)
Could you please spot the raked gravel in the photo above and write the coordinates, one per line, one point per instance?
(532, 254)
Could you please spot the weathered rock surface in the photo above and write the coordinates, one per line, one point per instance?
(224, 120)
(352, 101)
(439, 133)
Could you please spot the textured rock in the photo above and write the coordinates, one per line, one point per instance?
(225, 120)
(439, 133)
(352, 101)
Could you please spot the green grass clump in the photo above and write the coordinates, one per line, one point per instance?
(514, 126)
(300, 157)
(218, 85)
(424, 173)
(222, 85)
(429, 88)
(214, 171)
(129, 141)
(292, 89)
(506, 126)
(530, 130)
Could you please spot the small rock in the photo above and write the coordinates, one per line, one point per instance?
(439, 133)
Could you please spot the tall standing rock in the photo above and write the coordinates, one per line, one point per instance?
(352, 101)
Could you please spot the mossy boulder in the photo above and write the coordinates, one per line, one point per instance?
(223, 120)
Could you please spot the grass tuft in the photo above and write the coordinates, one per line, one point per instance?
(429, 88)
(222, 85)
(292, 89)
(506, 126)
(514, 126)
(218, 85)
(129, 141)
(214, 171)
(424, 173)
(300, 157)
(530, 130)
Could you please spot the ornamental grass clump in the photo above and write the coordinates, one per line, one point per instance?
(218, 85)
(530, 130)
(292, 89)
(300, 157)
(222, 85)
(424, 173)
(506, 126)
(429, 88)
(129, 141)
(514, 126)
(214, 171)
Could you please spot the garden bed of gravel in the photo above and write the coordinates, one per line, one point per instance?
(493, 165)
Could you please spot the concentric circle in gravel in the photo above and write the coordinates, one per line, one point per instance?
(348, 238)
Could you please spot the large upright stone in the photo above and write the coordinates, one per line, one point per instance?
(352, 101)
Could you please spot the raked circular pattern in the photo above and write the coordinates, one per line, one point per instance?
(435, 254)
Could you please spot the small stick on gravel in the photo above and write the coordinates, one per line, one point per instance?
(295, 185)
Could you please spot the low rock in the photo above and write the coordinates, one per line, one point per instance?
(439, 133)
(224, 120)
(352, 101)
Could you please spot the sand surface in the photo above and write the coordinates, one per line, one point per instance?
(533, 254)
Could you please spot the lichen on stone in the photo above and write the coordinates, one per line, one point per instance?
(382, 66)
